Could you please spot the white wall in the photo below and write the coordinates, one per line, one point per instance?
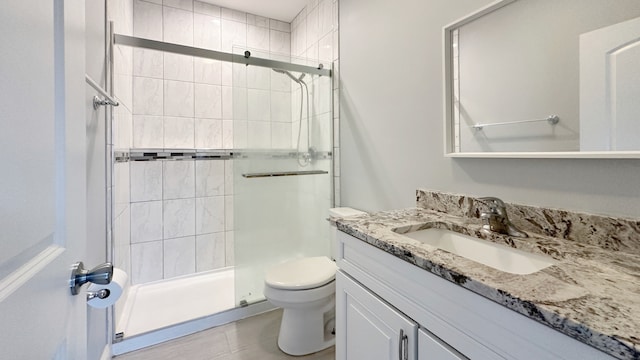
(392, 128)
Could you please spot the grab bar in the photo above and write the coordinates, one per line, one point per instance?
(551, 119)
(284, 173)
(97, 102)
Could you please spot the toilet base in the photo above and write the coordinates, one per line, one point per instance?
(303, 332)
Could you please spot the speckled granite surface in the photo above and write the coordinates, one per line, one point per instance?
(592, 294)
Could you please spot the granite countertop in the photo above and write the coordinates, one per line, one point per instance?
(591, 294)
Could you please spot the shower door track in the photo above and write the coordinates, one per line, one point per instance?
(246, 59)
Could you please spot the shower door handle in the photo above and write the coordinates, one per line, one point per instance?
(101, 274)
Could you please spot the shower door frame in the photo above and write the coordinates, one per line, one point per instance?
(120, 344)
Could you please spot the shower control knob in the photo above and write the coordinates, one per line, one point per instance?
(100, 274)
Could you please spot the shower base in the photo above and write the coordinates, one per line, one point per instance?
(165, 303)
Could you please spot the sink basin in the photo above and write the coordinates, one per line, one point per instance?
(499, 257)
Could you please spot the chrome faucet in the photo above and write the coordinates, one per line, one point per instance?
(496, 220)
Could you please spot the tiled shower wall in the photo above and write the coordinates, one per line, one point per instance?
(314, 36)
(176, 217)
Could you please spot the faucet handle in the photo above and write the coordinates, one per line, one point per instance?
(496, 206)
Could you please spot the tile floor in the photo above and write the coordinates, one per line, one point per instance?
(254, 338)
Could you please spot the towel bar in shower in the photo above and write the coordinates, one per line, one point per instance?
(284, 173)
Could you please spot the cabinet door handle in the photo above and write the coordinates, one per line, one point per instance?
(403, 346)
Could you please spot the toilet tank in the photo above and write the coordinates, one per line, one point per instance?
(333, 231)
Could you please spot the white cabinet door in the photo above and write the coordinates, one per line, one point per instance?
(432, 348)
(368, 328)
(42, 181)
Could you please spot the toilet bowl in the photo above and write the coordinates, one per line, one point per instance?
(305, 289)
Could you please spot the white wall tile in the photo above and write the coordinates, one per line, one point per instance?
(206, 8)
(178, 133)
(147, 63)
(207, 32)
(180, 4)
(177, 26)
(235, 15)
(122, 241)
(322, 95)
(321, 132)
(209, 214)
(208, 101)
(146, 180)
(233, 34)
(227, 134)
(228, 177)
(281, 135)
(146, 221)
(147, 20)
(257, 37)
(279, 25)
(313, 30)
(281, 106)
(178, 67)
(179, 179)
(210, 177)
(228, 213)
(146, 262)
(123, 90)
(148, 96)
(259, 135)
(259, 77)
(227, 102)
(121, 187)
(280, 82)
(301, 38)
(207, 71)
(179, 256)
(239, 134)
(178, 98)
(210, 251)
(280, 42)
(148, 132)
(325, 50)
(259, 105)
(122, 128)
(208, 134)
(325, 17)
(256, 20)
(240, 103)
(179, 218)
(229, 246)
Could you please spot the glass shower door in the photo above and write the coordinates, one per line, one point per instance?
(282, 174)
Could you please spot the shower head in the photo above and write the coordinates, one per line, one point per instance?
(297, 80)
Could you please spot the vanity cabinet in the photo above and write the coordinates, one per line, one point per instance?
(387, 308)
(375, 330)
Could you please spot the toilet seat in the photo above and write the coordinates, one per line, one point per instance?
(301, 274)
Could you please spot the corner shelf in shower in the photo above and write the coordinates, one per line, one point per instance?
(208, 154)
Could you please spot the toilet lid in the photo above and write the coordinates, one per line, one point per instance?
(300, 274)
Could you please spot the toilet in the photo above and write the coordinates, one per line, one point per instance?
(305, 289)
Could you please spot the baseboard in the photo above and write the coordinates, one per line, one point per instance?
(187, 328)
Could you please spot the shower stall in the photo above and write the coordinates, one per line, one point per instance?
(222, 167)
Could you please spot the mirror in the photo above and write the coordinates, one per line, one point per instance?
(544, 78)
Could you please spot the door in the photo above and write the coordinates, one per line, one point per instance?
(42, 182)
(609, 88)
(368, 328)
